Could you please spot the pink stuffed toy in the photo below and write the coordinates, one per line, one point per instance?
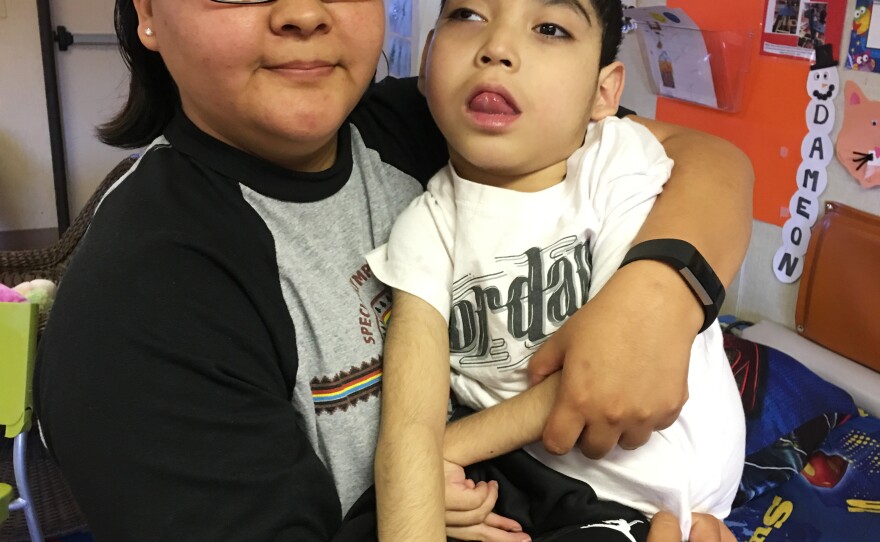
(39, 291)
(8, 295)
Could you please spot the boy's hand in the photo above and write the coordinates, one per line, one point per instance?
(704, 528)
(469, 507)
(624, 359)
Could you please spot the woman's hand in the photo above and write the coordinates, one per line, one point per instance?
(624, 360)
(469, 507)
(704, 528)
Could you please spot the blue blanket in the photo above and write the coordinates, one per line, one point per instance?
(834, 498)
(812, 470)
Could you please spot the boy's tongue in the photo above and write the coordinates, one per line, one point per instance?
(492, 104)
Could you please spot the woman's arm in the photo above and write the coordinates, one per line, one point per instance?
(161, 386)
(708, 199)
(415, 392)
(624, 355)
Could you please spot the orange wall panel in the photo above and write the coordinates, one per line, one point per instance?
(770, 125)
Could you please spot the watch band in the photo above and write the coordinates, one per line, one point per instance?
(694, 269)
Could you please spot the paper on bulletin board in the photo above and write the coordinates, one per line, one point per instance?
(676, 54)
(874, 29)
(793, 28)
(769, 127)
(864, 41)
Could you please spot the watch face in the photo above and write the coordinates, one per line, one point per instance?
(695, 285)
(707, 278)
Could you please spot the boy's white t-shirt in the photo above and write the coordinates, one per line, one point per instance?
(506, 268)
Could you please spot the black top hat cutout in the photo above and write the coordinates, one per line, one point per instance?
(824, 58)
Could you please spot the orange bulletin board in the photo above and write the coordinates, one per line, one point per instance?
(771, 122)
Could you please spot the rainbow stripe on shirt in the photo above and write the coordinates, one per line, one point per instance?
(348, 387)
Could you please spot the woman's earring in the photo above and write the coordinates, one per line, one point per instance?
(149, 32)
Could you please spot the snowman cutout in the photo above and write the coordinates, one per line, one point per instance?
(817, 152)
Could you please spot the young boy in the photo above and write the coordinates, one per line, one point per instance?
(542, 199)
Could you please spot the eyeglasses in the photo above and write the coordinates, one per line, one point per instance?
(242, 1)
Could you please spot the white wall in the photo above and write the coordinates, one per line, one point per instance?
(94, 82)
(91, 85)
(26, 189)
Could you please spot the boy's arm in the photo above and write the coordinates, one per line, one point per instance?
(503, 428)
(415, 392)
(624, 356)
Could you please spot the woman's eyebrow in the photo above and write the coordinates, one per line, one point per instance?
(573, 4)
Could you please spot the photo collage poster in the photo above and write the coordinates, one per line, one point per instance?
(795, 28)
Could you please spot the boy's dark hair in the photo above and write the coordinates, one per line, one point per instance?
(152, 94)
(611, 18)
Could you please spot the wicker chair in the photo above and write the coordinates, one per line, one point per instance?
(57, 512)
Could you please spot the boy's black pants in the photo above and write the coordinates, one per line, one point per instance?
(550, 506)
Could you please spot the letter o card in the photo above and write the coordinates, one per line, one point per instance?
(796, 235)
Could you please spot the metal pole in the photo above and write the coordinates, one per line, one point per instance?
(19, 465)
(53, 108)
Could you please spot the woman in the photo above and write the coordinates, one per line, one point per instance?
(212, 365)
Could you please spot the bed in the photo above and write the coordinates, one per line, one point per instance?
(812, 471)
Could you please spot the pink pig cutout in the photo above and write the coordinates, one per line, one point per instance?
(858, 145)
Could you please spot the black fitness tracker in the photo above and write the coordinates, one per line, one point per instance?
(694, 269)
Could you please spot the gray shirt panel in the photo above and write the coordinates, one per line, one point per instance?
(339, 309)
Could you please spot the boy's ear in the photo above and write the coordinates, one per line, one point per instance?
(610, 87)
(144, 10)
(423, 65)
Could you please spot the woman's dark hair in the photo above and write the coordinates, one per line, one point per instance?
(152, 94)
(611, 18)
